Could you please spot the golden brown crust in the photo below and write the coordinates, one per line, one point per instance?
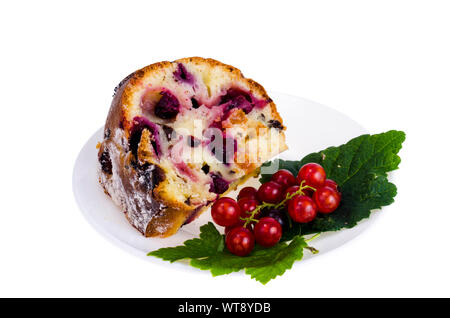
(129, 87)
(171, 216)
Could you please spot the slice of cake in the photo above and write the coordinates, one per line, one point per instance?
(179, 135)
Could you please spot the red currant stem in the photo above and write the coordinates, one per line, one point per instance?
(298, 192)
(252, 218)
(308, 187)
(312, 249)
(312, 238)
(302, 186)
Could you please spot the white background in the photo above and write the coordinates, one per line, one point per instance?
(386, 64)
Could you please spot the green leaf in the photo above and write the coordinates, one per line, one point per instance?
(208, 253)
(279, 262)
(263, 264)
(210, 243)
(360, 168)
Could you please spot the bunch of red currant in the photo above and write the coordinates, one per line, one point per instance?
(261, 214)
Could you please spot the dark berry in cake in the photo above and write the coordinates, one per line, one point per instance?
(232, 93)
(205, 168)
(275, 124)
(182, 75)
(195, 103)
(219, 185)
(236, 98)
(105, 162)
(168, 106)
(139, 124)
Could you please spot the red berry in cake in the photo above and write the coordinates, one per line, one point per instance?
(218, 184)
(168, 106)
(248, 192)
(236, 98)
(240, 241)
(182, 75)
(302, 209)
(313, 174)
(270, 192)
(225, 212)
(139, 124)
(284, 177)
(327, 199)
(267, 232)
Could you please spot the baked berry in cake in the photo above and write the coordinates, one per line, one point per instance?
(181, 134)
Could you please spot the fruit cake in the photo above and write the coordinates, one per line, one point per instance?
(179, 135)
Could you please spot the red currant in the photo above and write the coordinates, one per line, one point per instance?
(228, 229)
(289, 191)
(225, 212)
(240, 241)
(302, 209)
(327, 199)
(267, 232)
(247, 206)
(279, 215)
(284, 177)
(313, 174)
(331, 183)
(247, 192)
(240, 223)
(308, 192)
(270, 192)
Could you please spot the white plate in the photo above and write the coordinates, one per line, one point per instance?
(310, 127)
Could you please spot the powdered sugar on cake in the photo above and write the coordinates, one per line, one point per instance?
(134, 203)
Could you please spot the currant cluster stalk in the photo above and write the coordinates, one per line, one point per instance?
(277, 206)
